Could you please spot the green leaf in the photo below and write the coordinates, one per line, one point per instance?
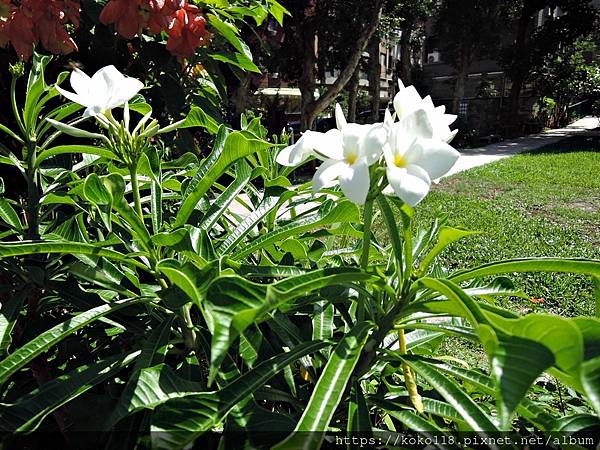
(515, 365)
(359, 420)
(328, 392)
(73, 149)
(561, 336)
(590, 379)
(233, 303)
(527, 408)
(36, 86)
(9, 215)
(151, 387)
(243, 175)
(41, 343)
(8, 249)
(229, 148)
(456, 397)
(187, 277)
(9, 312)
(562, 265)
(198, 118)
(272, 198)
(330, 213)
(95, 191)
(180, 421)
(278, 11)
(30, 410)
(446, 237)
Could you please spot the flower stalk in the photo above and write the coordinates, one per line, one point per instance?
(409, 377)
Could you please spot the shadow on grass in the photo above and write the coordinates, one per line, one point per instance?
(584, 143)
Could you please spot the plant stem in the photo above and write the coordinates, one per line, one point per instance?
(189, 335)
(135, 187)
(33, 232)
(364, 258)
(408, 249)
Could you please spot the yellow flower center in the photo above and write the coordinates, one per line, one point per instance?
(351, 158)
(399, 161)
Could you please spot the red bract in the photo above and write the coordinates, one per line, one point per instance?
(125, 14)
(49, 23)
(155, 16)
(187, 31)
(32, 21)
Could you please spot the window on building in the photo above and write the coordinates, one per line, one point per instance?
(463, 108)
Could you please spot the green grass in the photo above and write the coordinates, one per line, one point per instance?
(544, 203)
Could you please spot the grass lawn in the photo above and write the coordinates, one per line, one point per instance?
(543, 203)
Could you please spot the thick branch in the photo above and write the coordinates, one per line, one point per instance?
(361, 43)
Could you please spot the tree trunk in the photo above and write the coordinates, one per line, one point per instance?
(374, 76)
(406, 55)
(307, 82)
(519, 70)
(353, 94)
(239, 99)
(312, 108)
(461, 80)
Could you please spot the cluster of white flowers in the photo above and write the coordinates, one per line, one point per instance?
(415, 149)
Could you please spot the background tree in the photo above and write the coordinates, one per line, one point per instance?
(467, 30)
(567, 76)
(531, 47)
(325, 22)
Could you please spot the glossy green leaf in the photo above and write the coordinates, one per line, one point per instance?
(273, 197)
(41, 343)
(198, 118)
(9, 312)
(359, 420)
(590, 379)
(8, 249)
(9, 215)
(187, 277)
(180, 421)
(229, 148)
(452, 393)
(563, 265)
(233, 303)
(328, 392)
(515, 365)
(328, 214)
(73, 149)
(29, 411)
(446, 236)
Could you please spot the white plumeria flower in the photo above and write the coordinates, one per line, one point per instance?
(350, 150)
(106, 89)
(415, 156)
(408, 100)
(296, 154)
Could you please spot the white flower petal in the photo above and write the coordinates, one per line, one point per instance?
(355, 182)
(80, 82)
(328, 145)
(72, 96)
(435, 157)
(407, 101)
(92, 111)
(451, 136)
(372, 143)
(327, 173)
(417, 124)
(340, 119)
(297, 153)
(411, 184)
(128, 89)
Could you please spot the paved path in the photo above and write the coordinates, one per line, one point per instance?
(474, 157)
